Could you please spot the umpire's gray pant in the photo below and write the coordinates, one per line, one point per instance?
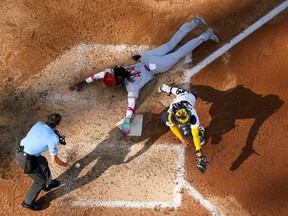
(41, 178)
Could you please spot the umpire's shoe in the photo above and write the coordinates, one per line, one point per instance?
(55, 183)
(33, 206)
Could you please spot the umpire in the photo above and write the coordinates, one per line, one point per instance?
(41, 137)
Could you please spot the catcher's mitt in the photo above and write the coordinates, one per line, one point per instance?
(202, 163)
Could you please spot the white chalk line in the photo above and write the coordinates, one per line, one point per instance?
(180, 172)
(115, 48)
(180, 175)
(80, 54)
(204, 202)
(122, 204)
(190, 72)
(180, 183)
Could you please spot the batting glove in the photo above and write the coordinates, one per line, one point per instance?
(126, 126)
(136, 57)
(78, 86)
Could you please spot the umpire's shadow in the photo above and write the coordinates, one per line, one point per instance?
(111, 151)
(232, 104)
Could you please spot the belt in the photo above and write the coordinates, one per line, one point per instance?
(20, 149)
(146, 67)
(28, 155)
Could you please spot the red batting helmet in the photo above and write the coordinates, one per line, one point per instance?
(109, 79)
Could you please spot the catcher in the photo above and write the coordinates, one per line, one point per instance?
(183, 121)
(152, 62)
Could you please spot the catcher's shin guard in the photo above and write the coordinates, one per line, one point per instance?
(186, 130)
(171, 89)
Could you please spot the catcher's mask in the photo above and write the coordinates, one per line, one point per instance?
(109, 79)
(180, 112)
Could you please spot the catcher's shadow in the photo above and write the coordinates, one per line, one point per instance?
(110, 152)
(232, 104)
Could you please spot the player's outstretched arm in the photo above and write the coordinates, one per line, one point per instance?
(56, 160)
(202, 160)
(126, 128)
(196, 138)
(78, 86)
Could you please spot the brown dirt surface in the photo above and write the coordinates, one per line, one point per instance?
(47, 45)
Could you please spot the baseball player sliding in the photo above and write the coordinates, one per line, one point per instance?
(183, 121)
(151, 62)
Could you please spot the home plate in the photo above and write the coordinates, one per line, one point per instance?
(136, 125)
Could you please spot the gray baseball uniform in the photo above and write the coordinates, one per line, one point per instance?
(162, 58)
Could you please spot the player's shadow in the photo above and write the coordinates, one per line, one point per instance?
(236, 103)
(110, 152)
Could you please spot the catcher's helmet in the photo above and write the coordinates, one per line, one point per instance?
(181, 113)
(109, 79)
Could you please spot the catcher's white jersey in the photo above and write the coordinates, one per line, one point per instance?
(191, 99)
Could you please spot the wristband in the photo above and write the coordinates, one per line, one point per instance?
(130, 109)
(93, 78)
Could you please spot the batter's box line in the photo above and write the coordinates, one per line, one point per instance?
(123, 204)
(180, 184)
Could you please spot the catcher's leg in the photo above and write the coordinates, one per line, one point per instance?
(171, 89)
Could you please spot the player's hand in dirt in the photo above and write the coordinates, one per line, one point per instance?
(72, 87)
(185, 143)
(136, 57)
(202, 163)
(68, 165)
(126, 126)
(78, 86)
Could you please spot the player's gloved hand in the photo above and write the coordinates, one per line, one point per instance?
(78, 86)
(136, 57)
(202, 163)
(126, 126)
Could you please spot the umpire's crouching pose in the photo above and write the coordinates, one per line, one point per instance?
(41, 137)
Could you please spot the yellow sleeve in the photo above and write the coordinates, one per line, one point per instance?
(196, 138)
(174, 128)
(176, 131)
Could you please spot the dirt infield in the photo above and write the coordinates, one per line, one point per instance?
(47, 45)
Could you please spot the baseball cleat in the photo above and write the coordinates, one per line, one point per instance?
(209, 34)
(200, 21)
(164, 88)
